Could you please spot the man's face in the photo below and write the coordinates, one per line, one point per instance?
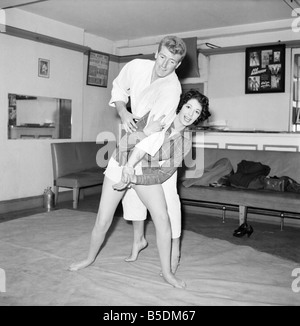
(166, 62)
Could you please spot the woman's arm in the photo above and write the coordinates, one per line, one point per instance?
(127, 143)
(157, 175)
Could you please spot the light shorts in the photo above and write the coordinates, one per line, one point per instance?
(135, 210)
(114, 170)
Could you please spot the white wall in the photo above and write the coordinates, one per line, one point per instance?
(25, 165)
(226, 74)
(228, 101)
(98, 116)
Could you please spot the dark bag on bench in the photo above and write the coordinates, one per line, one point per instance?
(275, 184)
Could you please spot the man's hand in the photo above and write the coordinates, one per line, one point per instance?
(154, 126)
(128, 120)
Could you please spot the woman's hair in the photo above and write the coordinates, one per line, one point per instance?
(174, 44)
(202, 99)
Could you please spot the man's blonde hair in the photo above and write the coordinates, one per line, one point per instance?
(174, 44)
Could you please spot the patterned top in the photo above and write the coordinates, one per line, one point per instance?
(160, 167)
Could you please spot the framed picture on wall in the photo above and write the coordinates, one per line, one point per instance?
(44, 68)
(97, 73)
(265, 69)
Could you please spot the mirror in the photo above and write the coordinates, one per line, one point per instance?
(36, 117)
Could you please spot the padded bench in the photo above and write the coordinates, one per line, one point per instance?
(283, 204)
(75, 166)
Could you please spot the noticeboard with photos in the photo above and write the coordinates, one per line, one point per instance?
(265, 69)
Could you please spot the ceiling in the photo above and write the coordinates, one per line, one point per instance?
(118, 20)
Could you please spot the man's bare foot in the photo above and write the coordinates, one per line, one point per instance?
(174, 281)
(174, 263)
(80, 265)
(175, 254)
(136, 249)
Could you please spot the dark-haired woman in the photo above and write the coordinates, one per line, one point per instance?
(148, 179)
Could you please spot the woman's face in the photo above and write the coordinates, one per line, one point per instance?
(190, 112)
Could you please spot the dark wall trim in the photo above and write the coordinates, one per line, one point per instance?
(41, 38)
(18, 32)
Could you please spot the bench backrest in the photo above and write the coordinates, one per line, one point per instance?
(72, 157)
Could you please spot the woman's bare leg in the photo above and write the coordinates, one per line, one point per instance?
(139, 241)
(109, 201)
(154, 199)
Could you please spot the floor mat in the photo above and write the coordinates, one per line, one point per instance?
(36, 251)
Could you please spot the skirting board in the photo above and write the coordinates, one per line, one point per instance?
(14, 205)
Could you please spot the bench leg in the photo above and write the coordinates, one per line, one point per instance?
(281, 221)
(55, 188)
(81, 195)
(75, 197)
(243, 214)
(223, 214)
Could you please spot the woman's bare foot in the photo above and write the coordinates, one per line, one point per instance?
(174, 281)
(137, 247)
(80, 265)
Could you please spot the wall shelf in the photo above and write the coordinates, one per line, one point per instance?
(241, 48)
(18, 32)
(41, 38)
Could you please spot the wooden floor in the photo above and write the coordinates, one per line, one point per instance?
(266, 237)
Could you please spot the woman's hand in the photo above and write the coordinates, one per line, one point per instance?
(154, 126)
(127, 178)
